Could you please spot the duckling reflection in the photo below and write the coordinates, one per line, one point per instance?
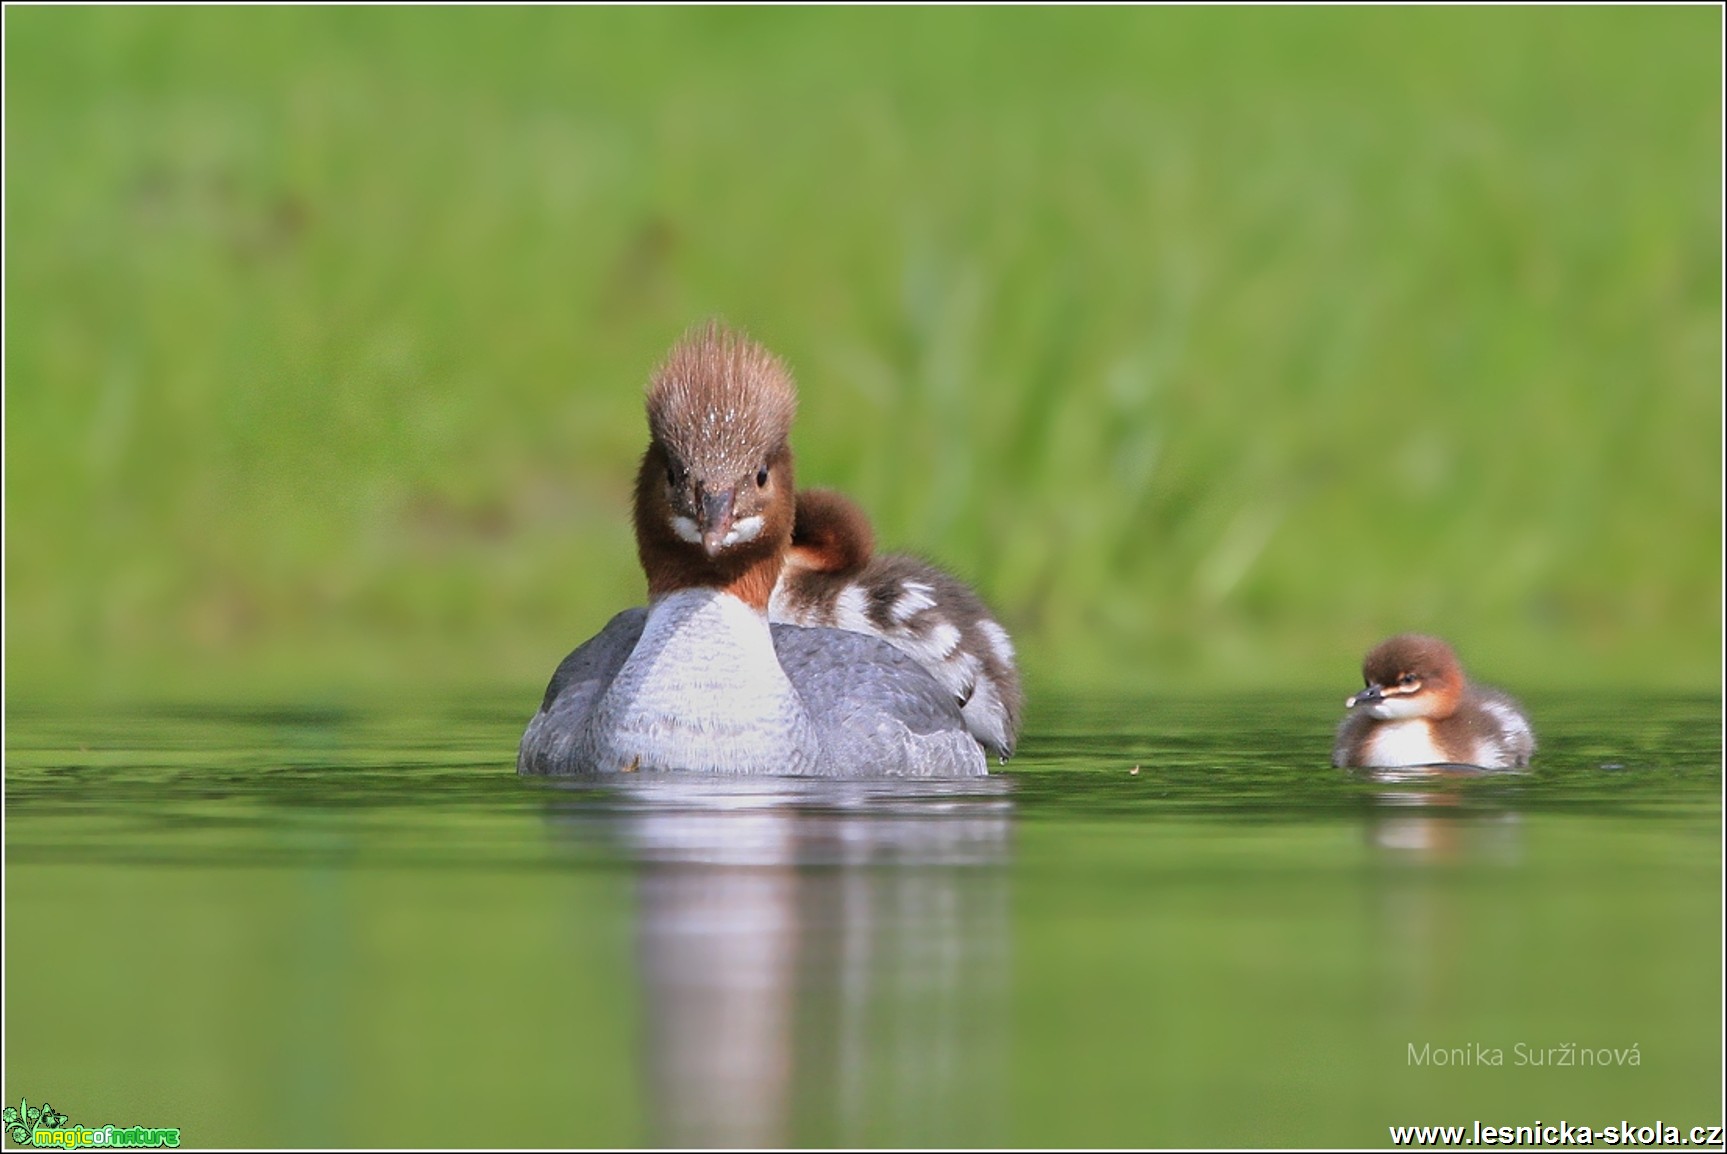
(1432, 825)
(821, 962)
(1436, 815)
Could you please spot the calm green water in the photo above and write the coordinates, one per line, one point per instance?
(335, 925)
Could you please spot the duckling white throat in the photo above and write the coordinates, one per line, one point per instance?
(703, 690)
(1399, 707)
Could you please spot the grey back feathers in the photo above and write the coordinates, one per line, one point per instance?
(931, 616)
(876, 713)
(1511, 734)
(556, 736)
(876, 707)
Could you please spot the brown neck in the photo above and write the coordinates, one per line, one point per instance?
(754, 586)
(1450, 695)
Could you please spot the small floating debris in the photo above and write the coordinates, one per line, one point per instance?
(1134, 772)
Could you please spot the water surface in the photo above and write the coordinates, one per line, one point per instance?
(1168, 922)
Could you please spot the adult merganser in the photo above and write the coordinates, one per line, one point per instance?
(831, 579)
(699, 681)
(1419, 709)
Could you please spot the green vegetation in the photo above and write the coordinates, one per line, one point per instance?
(1211, 344)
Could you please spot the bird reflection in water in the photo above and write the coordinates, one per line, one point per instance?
(822, 962)
(1437, 831)
(1441, 813)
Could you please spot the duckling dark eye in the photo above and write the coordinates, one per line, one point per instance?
(1406, 679)
(762, 477)
(674, 475)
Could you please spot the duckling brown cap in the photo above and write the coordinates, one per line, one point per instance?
(1427, 657)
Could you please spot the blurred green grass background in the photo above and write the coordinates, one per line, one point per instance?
(1211, 344)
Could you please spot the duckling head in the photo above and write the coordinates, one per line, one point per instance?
(1410, 675)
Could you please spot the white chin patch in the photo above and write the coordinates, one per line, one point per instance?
(1398, 708)
(747, 529)
(686, 530)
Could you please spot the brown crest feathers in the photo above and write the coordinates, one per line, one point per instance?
(720, 402)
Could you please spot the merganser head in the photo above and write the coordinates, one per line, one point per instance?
(1410, 676)
(714, 496)
(830, 534)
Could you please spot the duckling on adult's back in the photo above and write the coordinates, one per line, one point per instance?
(832, 577)
(699, 681)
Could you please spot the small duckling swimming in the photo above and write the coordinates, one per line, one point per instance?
(1420, 709)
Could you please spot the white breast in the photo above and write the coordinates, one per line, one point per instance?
(1406, 742)
(703, 691)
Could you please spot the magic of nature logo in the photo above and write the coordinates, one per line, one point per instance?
(43, 1125)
